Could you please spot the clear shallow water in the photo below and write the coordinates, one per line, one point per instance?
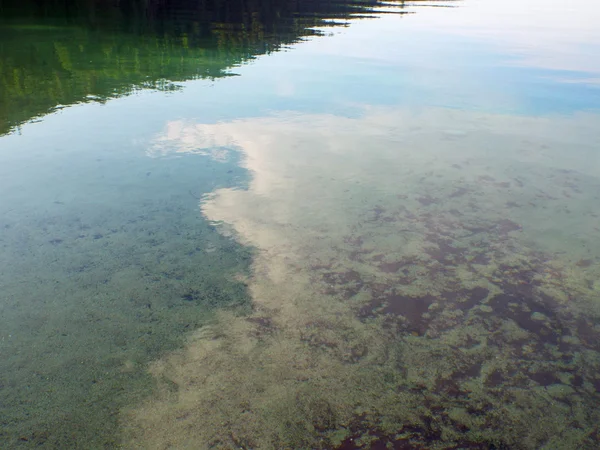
(386, 235)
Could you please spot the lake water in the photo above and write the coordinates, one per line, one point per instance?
(300, 225)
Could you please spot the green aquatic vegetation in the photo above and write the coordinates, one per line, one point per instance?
(449, 322)
(95, 283)
(92, 293)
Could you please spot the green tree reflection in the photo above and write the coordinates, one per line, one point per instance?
(56, 53)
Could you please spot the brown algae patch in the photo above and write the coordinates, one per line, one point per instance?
(431, 320)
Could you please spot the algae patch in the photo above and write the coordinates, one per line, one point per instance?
(401, 296)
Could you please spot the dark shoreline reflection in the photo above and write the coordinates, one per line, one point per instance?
(55, 53)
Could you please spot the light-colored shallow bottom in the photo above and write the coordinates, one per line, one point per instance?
(422, 278)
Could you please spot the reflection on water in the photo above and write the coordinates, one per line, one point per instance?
(106, 260)
(385, 237)
(414, 287)
(105, 263)
(59, 53)
(540, 34)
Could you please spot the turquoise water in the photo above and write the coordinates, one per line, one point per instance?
(321, 225)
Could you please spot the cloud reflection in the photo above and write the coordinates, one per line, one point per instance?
(400, 256)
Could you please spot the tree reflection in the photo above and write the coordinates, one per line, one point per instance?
(63, 52)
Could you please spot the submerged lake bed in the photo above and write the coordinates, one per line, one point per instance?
(341, 225)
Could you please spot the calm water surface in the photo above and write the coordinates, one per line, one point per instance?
(312, 225)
